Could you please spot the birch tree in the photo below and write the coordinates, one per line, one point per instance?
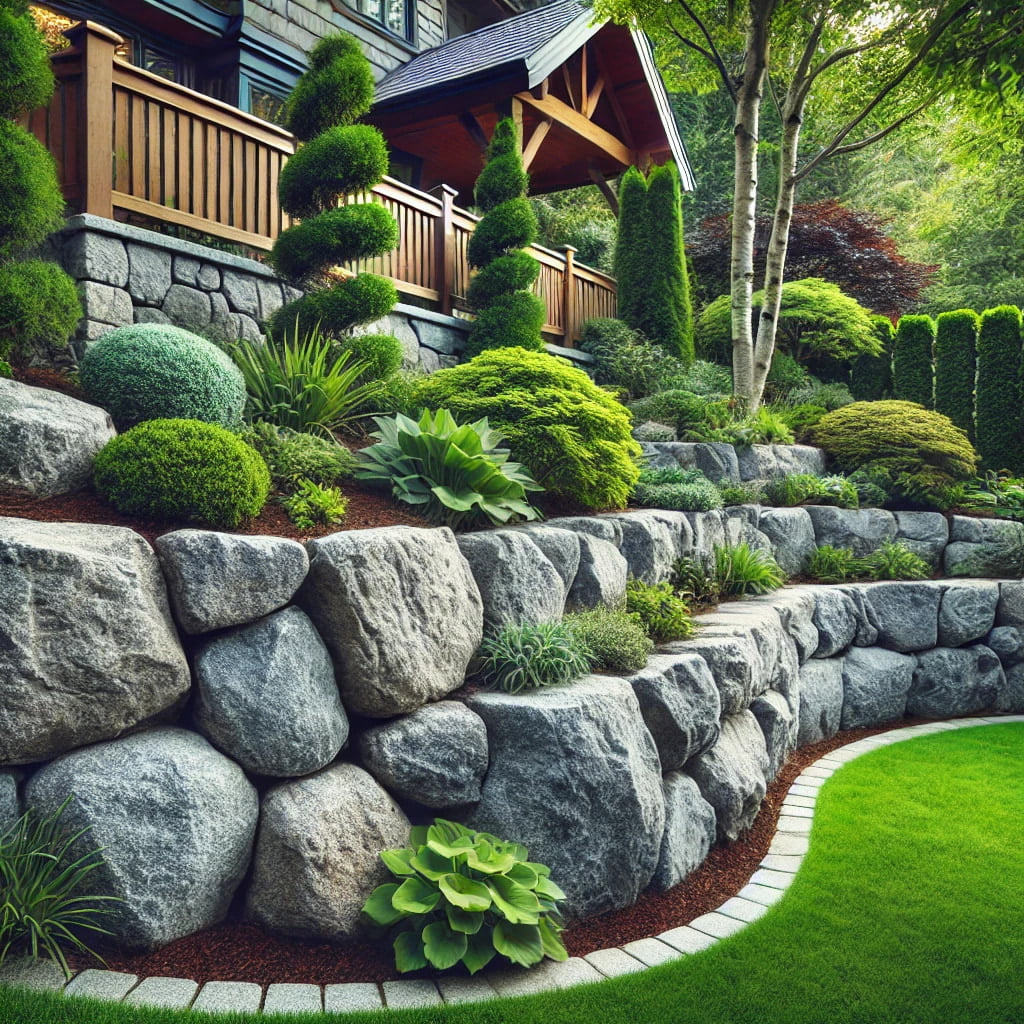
(867, 69)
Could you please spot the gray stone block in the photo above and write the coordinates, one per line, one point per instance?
(1008, 644)
(166, 993)
(835, 619)
(292, 998)
(208, 278)
(150, 315)
(229, 997)
(791, 535)
(94, 257)
(446, 340)
(1010, 609)
(651, 541)
(1011, 698)
(985, 547)
(184, 270)
(560, 547)
(149, 276)
(780, 727)
(270, 297)
(875, 686)
(105, 303)
(863, 529)
(31, 973)
(907, 614)
(799, 458)
(717, 462)
(924, 533)
(736, 666)
(600, 578)
(689, 831)
(404, 995)
(967, 612)
(955, 681)
(476, 989)
(188, 308)
(240, 291)
(111, 986)
(757, 462)
(821, 700)
(352, 997)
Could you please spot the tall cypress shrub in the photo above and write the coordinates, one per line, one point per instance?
(507, 311)
(871, 376)
(630, 247)
(956, 335)
(998, 401)
(912, 360)
(339, 158)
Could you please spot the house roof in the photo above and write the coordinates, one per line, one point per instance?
(600, 115)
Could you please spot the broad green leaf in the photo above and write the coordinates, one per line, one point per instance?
(465, 893)
(379, 907)
(480, 950)
(545, 887)
(397, 861)
(414, 896)
(521, 943)
(518, 904)
(456, 848)
(524, 875)
(442, 946)
(550, 940)
(464, 920)
(409, 952)
(418, 836)
(431, 864)
(486, 859)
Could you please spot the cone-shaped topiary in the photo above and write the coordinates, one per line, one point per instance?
(956, 334)
(871, 375)
(998, 400)
(912, 360)
(508, 313)
(340, 158)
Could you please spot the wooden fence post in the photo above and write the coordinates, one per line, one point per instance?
(444, 247)
(569, 310)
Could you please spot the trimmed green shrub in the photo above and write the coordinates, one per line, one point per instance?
(513, 272)
(663, 613)
(623, 358)
(457, 475)
(746, 493)
(507, 227)
(871, 375)
(31, 204)
(292, 456)
(801, 418)
(572, 435)
(26, 81)
(181, 469)
(617, 639)
(334, 311)
(902, 439)
(39, 308)
(956, 334)
(998, 400)
(741, 570)
(683, 490)
(157, 371)
(465, 897)
(503, 177)
(382, 354)
(912, 373)
(630, 267)
(529, 656)
(510, 321)
(312, 505)
(681, 410)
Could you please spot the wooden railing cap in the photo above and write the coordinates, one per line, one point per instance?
(93, 28)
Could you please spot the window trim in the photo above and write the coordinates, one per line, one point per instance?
(350, 8)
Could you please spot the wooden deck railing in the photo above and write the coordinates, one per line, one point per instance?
(127, 142)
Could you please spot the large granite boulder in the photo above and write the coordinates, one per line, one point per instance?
(924, 533)
(400, 613)
(560, 547)
(796, 607)
(715, 460)
(10, 801)
(266, 696)
(575, 776)
(436, 755)
(600, 578)
(731, 775)
(799, 458)
(87, 645)
(651, 542)
(950, 681)
(984, 547)
(735, 662)
(821, 700)
(680, 705)
(603, 527)
(757, 462)
(967, 612)
(689, 831)
(907, 614)
(1010, 609)
(1007, 643)
(835, 618)
(317, 853)
(217, 580)
(1011, 697)
(175, 820)
(862, 529)
(791, 534)
(518, 584)
(875, 686)
(708, 531)
(741, 527)
(48, 441)
(780, 727)
(866, 634)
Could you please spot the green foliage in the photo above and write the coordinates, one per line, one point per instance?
(334, 311)
(336, 90)
(829, 396)
(43, 888)
(872, 487)
(292, 456)
(180, 469)
(39, 308)
(26, 81)
(709, 380)
(998, 400)
(382, 354)
(294, 382)
(503, 177)
(571, 434)
(665, 615)
(157, 371)
(871, 376)
(832, 565)
(458, 475)
(784, 375)
(694, 580)
(338, 162)
(766, 426)
(996, 494)
(509, 226)
(684, 490)
(464, 897)
(510, 321)
(630, 269)
(617, 639)
(681, 410)
(807, 489)
(746, 493)
(312, 504)
(956, 333)
(740, 570)
(398, 394)
(5, 369)
(529, 656)
(912, 374)
(31, 204)
(625, 359)
(920, 447)
(801, 418)
(891, 561)
(513, 272)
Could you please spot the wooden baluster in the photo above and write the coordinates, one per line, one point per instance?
(444, 247)
(569, 311)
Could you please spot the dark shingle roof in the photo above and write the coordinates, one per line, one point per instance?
(520, 40)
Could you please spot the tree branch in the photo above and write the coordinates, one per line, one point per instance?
(710, 51)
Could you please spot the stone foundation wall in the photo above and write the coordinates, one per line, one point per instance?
(209, 701)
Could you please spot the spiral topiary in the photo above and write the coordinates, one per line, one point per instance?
(956, 335)
(340, 158)
(180, 469)
(572, 435)
(998, 399)
(157, 371)
(508, 313)
(912, 374)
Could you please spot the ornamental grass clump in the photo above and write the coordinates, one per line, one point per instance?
(617, 639)
(891, 561)
(741, 570)
(466, 897)
(531, 656)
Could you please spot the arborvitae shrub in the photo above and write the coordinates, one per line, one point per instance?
(956, 334)
(157, 371)
(630, 247)
(572, 435)
(912, 360)
(26, 81)
(183, 470)
(510, 226)
(871, 376)
(998, 401)
(515, 272)
(39, 308)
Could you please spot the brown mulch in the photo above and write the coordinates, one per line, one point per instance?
(235, 951)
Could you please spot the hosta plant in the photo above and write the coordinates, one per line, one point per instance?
(456, 474)
(465, 897)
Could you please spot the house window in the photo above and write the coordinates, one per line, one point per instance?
(396, 15)
(266, 104)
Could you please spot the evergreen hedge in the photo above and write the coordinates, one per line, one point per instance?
(956, 335)
(998, 401)
(871, 375)
(912, 360)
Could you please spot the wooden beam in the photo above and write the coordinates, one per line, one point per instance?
(576, 123)
(606, 190)
(541, 91)
(517, 120)
(594, 96)
(584, 84)
(620, 115)
(567, 78)
(530, 149)
(476, 133)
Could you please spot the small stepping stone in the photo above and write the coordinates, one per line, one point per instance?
(228, 997)
(169, 993)
(110, 985)
(292, 998)
(351, 997)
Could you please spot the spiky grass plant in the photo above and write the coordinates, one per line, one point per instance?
(529, 656)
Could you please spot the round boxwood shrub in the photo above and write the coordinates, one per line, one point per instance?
(382, 351)
(920, 449)
(182, 469)
(39, 308)
(31, 204)
(156, 371)
(334, 311)
(573, 436)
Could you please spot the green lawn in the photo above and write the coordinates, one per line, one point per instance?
(909, 908)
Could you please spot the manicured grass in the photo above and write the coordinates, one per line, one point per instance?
(909, 909)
